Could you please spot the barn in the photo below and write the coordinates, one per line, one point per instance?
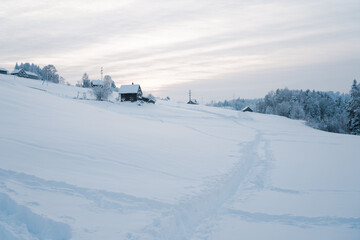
(25, 74)
(20, 73)
(130, 92)
(3, 71)
(32, 75)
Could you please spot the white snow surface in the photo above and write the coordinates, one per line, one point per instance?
(134, 88)
(75, 168)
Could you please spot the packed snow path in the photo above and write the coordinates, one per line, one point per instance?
(184, 220)
(81, 169)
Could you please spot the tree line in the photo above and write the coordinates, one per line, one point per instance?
(86, 82)
(48, 72)
(236, 104)
(328, 111)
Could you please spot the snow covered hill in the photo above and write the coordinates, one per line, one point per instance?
(81, 169)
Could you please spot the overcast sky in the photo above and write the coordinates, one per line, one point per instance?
(218, 48)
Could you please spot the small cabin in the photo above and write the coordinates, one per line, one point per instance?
(247, 109)
(131, 92)
(192, 101)
(96, 83)
(3, 71)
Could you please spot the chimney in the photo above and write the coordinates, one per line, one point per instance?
(132, 84)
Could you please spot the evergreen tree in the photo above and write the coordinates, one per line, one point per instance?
(86, 81)
(49, 72)
(322, 110)
(85, 76)
(354, 109)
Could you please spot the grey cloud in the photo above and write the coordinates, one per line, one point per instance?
(213, 54)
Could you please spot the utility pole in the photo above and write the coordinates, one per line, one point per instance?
(189, 95)
(101, 73)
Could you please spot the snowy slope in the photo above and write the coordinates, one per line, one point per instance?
(82, 169)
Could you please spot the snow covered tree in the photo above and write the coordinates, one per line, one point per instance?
(297, 111)
(283, 109)
(86, 81)
(26, 66)
(102, 93)
(49, 73)
(29, 67)
(237, 104)
(85, 76)
(108, 80)
(269, 110)
(322, 110)
(354, 109)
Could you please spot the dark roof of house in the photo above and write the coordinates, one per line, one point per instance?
(17, 71)
(247, 109)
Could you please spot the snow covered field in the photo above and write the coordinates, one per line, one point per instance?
(82, 169)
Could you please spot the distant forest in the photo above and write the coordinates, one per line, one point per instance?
(328, 111)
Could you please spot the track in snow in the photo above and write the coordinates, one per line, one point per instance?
(192, 218)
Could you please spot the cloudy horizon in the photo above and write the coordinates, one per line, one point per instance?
(219, 49)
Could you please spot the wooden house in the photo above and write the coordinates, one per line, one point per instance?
(20, 73)
(247, 109)
(192, 101)
(3, 71)
(130, 92)
(25, 74)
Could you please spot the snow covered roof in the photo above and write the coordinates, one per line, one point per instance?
(27, 72)
(16, 71)
(129, 88)
(97, 82)
(247, 109)
(2, 69)
(32, 74)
